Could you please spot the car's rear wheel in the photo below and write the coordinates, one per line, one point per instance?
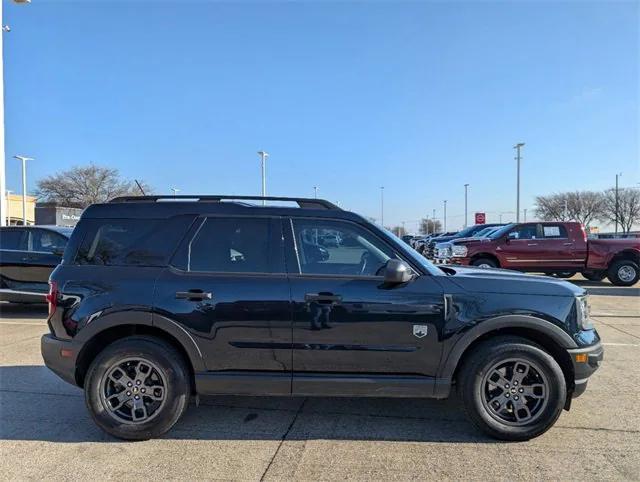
(565, 274)
(623, 272)
(594, 275)
(484, 263)
(512, 389)
(137, 388)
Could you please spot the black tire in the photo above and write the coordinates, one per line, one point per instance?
(473, 383)
(623, 272)
(565, 275)
(594, 275)
(485, 262)
(166, 367)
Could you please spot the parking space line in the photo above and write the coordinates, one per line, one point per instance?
(620, 344)
(22, 323)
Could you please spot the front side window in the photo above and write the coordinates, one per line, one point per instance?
(47, 241)
(338, 248)
(235, 245)
(528, 231)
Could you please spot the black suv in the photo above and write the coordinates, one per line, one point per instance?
(160, 298)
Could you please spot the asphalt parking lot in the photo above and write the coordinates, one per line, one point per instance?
(46, 432)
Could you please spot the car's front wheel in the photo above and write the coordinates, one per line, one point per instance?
(137, 388)
(512, 389)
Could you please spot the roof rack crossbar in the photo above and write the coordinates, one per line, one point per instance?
(308, 203)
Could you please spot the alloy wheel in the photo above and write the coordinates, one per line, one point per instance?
(515, 391)
(626, 273)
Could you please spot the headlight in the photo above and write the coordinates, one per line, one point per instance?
(582, 305)
(459, 251)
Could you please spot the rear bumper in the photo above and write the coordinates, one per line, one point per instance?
(585, 362)
(60, 357)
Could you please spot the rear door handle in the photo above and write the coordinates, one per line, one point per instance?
(567, 244)
(193, 295)
(323, 297)
(532, 244)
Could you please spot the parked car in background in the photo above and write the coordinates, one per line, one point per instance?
(159, 299)
(443, 249)
(28, 255)
(429, 250)
(560, 248)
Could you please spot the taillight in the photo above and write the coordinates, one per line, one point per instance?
(52, 297)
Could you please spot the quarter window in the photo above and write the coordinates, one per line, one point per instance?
(235, 245)
(337, 248)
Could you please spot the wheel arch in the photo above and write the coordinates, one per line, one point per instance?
(541, 332)
(629, 253)
(486, 255)
(113, 328)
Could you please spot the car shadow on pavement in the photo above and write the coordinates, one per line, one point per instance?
(600, 288)
(36, 405)
(25, 311)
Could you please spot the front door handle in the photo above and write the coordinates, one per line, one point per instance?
(532, 244)
(567, 244)
(193, 295)
(323, 297)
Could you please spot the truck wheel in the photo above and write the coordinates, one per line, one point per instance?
(137, 388)
(594, 275)
(485, 263)
(565, 274)
(623, 272)
(512, 389)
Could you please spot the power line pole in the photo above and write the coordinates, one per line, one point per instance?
(263, 164)
(517, 147)
(617, 203)
(466, 187)
(382, 206)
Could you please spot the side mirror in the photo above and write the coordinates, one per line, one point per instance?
(396, 272)
(58, 251)
(512, 235)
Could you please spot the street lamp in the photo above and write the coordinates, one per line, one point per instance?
(263, 162)
(175, 191)
(517, 147)
(382, 206)
(466, 187)
(445, 216)
(24, 160)
(315, 192)
(617, 202)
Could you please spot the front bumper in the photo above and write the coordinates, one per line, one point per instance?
(60, 357)
(585, 362)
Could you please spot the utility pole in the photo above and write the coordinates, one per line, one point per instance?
(315, 192)
(175, 191)
(263, 163)
(433, 221)
(445, 216)
(525, 215)
(517, 147)
(404, 231)
(382, 206)
(617, 203)
(466, 187)
(24, 160)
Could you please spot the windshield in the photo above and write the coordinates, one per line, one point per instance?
(500, 232)
(485, 232)
(466, 232)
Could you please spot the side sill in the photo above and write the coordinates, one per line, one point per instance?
(243, 383)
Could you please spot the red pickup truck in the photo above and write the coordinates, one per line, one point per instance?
(553, 248)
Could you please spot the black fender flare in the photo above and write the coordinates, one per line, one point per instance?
(140, 317)
(547, 328)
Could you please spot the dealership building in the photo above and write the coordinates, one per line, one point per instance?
(51, 213)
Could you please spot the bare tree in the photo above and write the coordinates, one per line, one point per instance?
(82, 186)
(399, 231)
(581, 206)
(428, 226)
(628, 212)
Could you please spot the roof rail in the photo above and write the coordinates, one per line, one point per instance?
(302, 202)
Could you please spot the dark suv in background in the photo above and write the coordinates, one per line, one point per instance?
(28, 255)
(159, 298)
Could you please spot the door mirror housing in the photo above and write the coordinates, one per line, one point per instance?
(396, 272)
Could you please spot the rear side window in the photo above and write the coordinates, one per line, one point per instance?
(47, 241)
(235, 245)
(15, 239)
(122, 242)
(554, 231)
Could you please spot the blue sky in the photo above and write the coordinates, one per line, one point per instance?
(419, 97)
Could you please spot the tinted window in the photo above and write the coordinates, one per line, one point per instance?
(235, 245)
(528, 231)
(13, 239)
(143, 242)
(333, 247)
(556, 231)
(47, 241)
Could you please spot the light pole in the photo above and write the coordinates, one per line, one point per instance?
(315, 192)
(466, 188)
(175, 191)
(24, 160)
(382, 206)
(525, 215)
(444, 229)
(263, 163)
(617, 203)
(517, 147)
